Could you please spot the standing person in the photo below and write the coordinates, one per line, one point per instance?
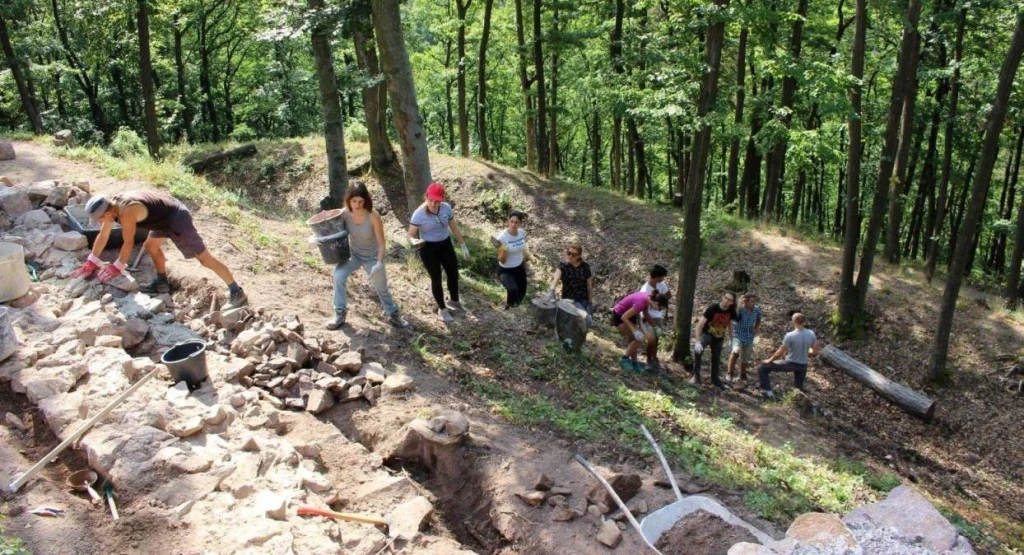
(431, 229)
(748, 322)
(712, 328)
(797, 346)
(577, 280)
(511, 245)
(166, 218)
(656, 283)
(628, 315)
(367, 244)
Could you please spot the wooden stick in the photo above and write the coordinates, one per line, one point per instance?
(365, 519)
(16, 485)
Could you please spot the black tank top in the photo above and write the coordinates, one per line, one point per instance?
(160, 208)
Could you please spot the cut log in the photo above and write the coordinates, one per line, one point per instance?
(912, 401)
(570, 326)
(543, 310)
(209, 161)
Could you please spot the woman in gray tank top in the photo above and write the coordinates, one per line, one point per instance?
(366, 241)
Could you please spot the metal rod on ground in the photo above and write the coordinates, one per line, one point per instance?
(16, 485)
(664, 463)
(615, 496)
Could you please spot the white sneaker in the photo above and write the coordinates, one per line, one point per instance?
(455, 305)
(445, 316)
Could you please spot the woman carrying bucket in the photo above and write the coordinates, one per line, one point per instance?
(430, 229)
(367, 244)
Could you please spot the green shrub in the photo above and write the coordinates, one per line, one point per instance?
(243, 133)
(127, 144)
(495, 205)
(356, 132)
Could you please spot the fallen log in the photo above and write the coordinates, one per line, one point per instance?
(902, 396)
(543, 310)
(570, 325)
(209, 161)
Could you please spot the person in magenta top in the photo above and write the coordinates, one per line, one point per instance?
(627, 316)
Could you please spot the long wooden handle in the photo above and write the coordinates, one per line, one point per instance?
(313, 511)
(16, 485)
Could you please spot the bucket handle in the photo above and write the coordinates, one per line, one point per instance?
(316, 240)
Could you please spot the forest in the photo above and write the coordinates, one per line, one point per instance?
(894, 128)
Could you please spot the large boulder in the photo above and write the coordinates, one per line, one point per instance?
(64, 138)
(14, 201)
(70, 241)
(7, 150)
(911, 513)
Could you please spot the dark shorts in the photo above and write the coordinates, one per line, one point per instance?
(183, 233)
(617, 319)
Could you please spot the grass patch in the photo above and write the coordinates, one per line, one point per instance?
(882, 482)
(10, 545)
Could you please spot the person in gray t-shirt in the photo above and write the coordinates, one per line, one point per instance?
(797, 346)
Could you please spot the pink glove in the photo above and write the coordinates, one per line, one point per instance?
(112, 271)
(91, 264)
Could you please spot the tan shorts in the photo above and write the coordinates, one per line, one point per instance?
(745, 351)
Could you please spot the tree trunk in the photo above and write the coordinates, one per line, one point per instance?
(702, 144)
(1013, 292)
(146, 76)
(901, 176)
(640, 157)
(777, 163)
(28, 103)
(462, 8)
(553, 109)
(205, 80)
(751, 182)
(947, 158)
(187, 114)
(926, 184)
(595, 151)
(850, 314)
(375, 99)
(402, 93)
(979, 190)
(998, 258)
(481, 82)
(525, 84)
(911, 401)
(330, 104)
(734, 144)
(615, 52)
(887, 156)
(542, 102)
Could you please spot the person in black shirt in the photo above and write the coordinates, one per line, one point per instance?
(712, 328)
(577, 280)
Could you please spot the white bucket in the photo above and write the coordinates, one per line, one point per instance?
(14, 281)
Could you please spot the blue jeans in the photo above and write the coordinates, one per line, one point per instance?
(378, 280)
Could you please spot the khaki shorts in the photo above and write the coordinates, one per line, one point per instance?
(746, 351)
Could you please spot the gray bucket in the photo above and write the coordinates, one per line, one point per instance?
(187, 361)
(330, 236)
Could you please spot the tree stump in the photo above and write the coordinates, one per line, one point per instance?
(543, 310)
(570, 325)
(740, 282)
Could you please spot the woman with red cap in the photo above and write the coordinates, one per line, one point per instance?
(430, 229)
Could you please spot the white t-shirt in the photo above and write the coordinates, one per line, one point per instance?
(662, 288)
(515, 246)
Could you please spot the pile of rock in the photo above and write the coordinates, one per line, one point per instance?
(33, 216)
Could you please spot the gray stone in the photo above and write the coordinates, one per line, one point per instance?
(911, 513)
(319, 401)
(625, 485)
(35, 219)
(15, 202)
(139, 305)
(407, 518)
(609, 535)
(13, 421)
(7, 150)
(58, 197)
(350, 361)
(822, 530)
(70, 241)
(273, 505)
(397, 383)
(449, 422)
(532, 498)
(186, 427)
(747, 548)
(374, 373)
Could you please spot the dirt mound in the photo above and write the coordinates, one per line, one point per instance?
(702, 533)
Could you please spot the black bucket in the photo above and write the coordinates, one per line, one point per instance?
(329, 223)
(187, 361)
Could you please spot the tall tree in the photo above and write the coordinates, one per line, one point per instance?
(146, 76)
(526, 85)
(375, 98)
(538, 75)
(715, 17)
(615, 51)
(853, 298)
(979, 192)
(28, 102)
(322, 22)
(462, 7)
(178, 30)
(741, 93)
(481, 83)
(412, 137)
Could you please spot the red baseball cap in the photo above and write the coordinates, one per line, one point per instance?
(435, 191)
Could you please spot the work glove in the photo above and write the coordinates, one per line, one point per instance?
(551, 294)
(698, 347)
(465, 251)
(378, 267)
(112, 271)
(638, 335)
(86, 270)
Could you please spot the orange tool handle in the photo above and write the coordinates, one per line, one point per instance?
(313, 511)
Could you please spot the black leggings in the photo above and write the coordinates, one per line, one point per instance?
(435, 256)
(514, 282)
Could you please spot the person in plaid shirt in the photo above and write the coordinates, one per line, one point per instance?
(748, 323)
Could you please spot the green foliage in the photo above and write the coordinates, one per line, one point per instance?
(244, 133)
(355, 131)
(127, 144)
(11, 545)
(496, 205)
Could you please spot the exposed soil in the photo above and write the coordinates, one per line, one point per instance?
(702, 533)
(969, 458)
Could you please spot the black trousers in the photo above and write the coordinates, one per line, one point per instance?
(514, 282)
(715, 345)
(438, 255)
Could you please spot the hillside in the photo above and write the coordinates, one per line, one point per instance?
(770, 461)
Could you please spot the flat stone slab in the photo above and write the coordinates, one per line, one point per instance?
(910, 512)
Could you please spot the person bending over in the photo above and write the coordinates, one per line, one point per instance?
(628, 315)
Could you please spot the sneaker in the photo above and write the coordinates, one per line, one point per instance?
(639, 367)
(693, 381)
(767, 395)
(395, 319)
(455, 305)
(337, 321)
(445, 316)
(158, 286)
(626, 363)
(236, 300)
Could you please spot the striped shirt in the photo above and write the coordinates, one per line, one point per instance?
(748, 320)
